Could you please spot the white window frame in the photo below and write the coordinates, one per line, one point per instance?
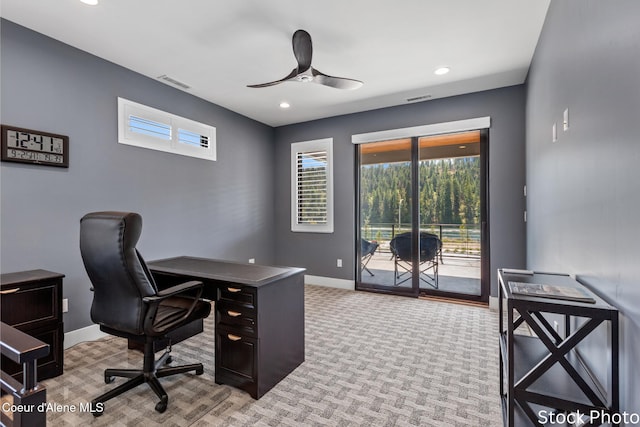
(423, 130)
(127, 108)
(325, 145)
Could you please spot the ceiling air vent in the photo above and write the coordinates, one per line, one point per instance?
(419, 98)
(173, 82)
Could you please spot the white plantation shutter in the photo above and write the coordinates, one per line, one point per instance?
(192, 138)
(312, 186)
(149, 127)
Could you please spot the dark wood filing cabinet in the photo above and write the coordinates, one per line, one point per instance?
(31, 302)
(259, 317)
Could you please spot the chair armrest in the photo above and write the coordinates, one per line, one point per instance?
(175, 290)
(155, 300)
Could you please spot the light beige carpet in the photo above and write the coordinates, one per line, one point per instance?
(371, 360)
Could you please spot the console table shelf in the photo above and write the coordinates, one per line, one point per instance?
(541, 370)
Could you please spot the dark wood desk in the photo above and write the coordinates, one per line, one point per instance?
(259, 317)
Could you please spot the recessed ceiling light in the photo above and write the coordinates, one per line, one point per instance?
(90, 2)
(462, 147)
(285, 104)
(442, 70)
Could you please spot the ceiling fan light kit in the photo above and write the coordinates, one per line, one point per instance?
(305, 73)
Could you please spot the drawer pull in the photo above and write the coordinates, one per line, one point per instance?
(234, 289)
(234, 313)
(9, 291)
(234, 337)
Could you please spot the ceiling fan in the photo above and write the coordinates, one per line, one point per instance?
(305, 73)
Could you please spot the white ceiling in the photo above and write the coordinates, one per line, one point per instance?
(219, 46)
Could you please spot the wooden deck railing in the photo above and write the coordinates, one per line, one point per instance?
(26, 409)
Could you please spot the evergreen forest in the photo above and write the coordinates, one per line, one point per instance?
(449, 192)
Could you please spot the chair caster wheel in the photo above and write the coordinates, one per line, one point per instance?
(109, 379)
(161, 406)
(169, 360)
(97, 409)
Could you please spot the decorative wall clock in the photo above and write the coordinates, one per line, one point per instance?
(35, 147)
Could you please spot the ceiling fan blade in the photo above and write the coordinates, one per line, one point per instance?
(337, 82)
(291, 75)
(304, 72)
(302, 49)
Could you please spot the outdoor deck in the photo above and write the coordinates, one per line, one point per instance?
(456, 273)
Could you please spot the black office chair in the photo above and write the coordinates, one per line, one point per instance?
(430, 251)
(367, 249)
(127, 303)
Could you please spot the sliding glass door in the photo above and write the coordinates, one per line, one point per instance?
(386, 211)
(422, 216)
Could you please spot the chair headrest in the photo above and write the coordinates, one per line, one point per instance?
(130, 224)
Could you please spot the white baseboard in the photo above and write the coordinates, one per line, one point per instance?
(90, 333)
(329, 282)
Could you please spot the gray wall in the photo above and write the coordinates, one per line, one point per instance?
(220, 209)
(584, 190)
(318, 252)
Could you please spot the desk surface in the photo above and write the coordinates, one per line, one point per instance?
(18, 278)
(225, 271)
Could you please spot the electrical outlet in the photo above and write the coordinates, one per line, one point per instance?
(65, 305)
(339, 262)
(252, 260)
(565, 119)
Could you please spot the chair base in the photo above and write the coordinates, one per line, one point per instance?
(364, 267)
(149, 374)
(429, 279)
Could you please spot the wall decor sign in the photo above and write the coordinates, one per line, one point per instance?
(35, 147)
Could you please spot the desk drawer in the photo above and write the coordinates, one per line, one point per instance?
(236, 316)
(236, 355)
(29, 306)
(244, 295)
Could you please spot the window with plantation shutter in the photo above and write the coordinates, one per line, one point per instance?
(154, 129)
(312, 186)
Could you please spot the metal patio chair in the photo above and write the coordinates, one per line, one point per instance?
(367, 249)
(430, 253)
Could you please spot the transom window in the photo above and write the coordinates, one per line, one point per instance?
(146, 127)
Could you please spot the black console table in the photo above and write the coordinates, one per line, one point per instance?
(543, 376)
(259, 317)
